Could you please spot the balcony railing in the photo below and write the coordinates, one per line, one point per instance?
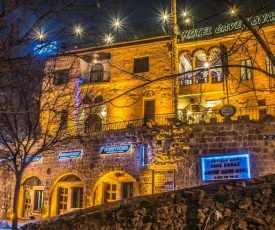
(207, 116)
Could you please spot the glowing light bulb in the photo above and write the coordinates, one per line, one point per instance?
(109, 38)
(78, 30)
(165, 17)
(40, 35)
(117, 23)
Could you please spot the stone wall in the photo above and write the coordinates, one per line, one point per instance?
(176, 147)
(238, 204)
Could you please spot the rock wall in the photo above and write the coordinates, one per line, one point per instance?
(248, 204)
(175, 147)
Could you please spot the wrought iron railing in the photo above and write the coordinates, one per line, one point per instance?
(206, 116)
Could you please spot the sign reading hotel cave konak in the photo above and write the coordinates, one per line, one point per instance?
(225, 167)
(115, 149)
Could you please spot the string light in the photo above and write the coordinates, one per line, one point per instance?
(78, 30)
(108, 39)
(117, 23)
(40, 36)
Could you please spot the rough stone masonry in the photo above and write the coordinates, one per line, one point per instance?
(241, 204)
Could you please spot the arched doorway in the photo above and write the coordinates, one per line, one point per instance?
(67, 195)
(33, 198)
(93, 123)
(114, 186)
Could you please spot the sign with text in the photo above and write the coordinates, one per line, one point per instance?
(227, 27)
(46, 48)
(70, 154)
(225, 167)
(35, 159)
(163, 180)
(269, 136)
(116, 149)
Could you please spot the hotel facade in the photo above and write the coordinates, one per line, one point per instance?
(145, 113)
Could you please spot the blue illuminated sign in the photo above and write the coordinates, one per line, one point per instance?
(35, 159)
(115, 149)
(225, 167)
(46, 48)
(70, 154)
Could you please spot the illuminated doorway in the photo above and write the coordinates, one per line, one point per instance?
(68, 195)
(33, 198)
(115, 186)
(149, 111)
(93, 123)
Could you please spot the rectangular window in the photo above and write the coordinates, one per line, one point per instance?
(141, 65)
(61, 77)
(186, 79)
(149, 111)
(261, 102)
(77, 197)
(63, 200)
(64, 119)
(201, 77)
(216, 75)
(127, 189)
(262, 113)
(109, 192)
(38, 200)
(246, 73)
(269, 67)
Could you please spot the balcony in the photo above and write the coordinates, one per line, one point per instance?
(256, 113)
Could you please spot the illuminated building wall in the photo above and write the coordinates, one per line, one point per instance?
(207, 86)
(116, 164)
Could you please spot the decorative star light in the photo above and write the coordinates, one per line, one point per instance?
(78, 30)
(108, 38)
(40, 35)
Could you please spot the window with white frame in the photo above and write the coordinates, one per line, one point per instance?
(246, 72)
(269, 67)
(186, 69)
(215, 66)
(97, 73)
(201, 65)
(109, 192)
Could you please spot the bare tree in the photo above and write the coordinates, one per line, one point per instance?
(26, 74)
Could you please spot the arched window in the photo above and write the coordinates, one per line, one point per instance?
(93, 123)
(215, 60)
(70, 194)
(201, 64)
(97, 73)
(33, 181)
(186, 66)
(33, 197)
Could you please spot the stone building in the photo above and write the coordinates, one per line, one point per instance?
(128, 138)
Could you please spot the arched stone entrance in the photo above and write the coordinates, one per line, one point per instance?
(114, 186)
(31, 198)
(67, 195)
